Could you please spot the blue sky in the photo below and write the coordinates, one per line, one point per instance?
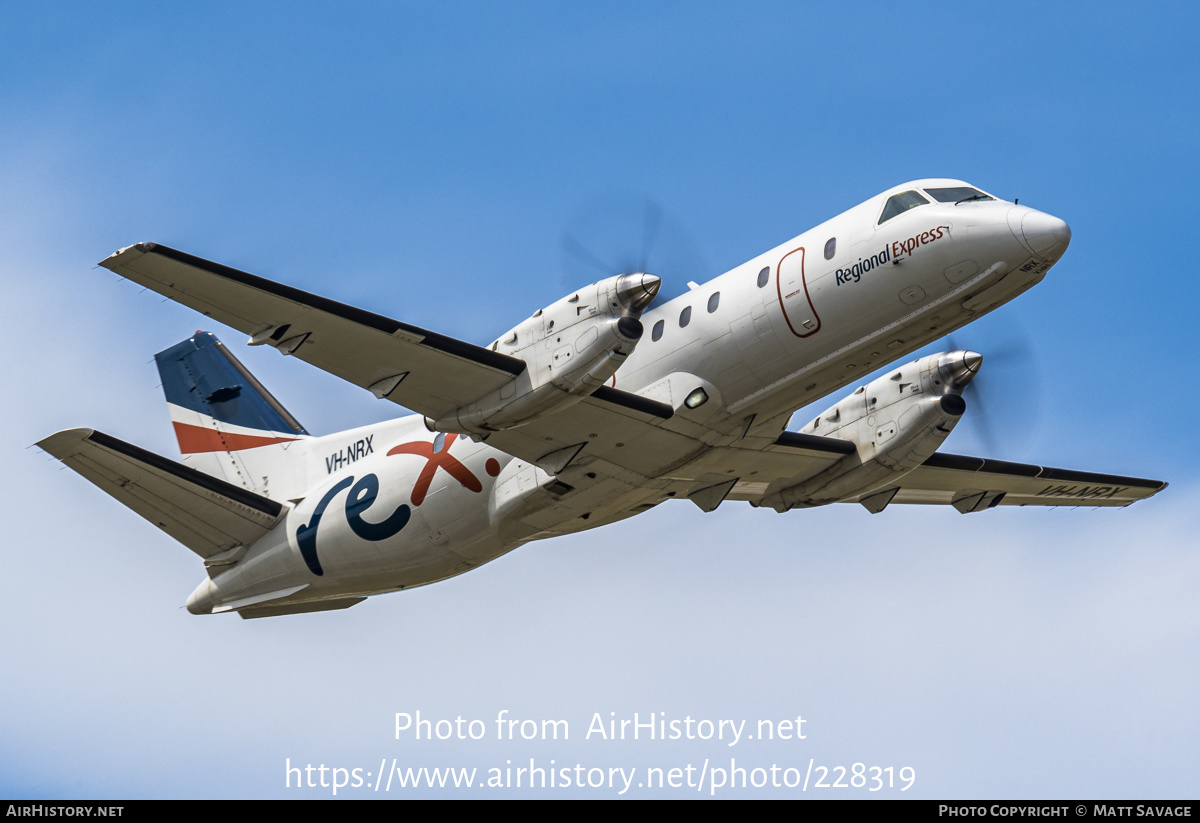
(425, 162)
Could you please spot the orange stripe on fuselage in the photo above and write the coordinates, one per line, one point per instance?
(196, 439)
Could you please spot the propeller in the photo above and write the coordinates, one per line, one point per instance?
(624, 232)
(1003, 398)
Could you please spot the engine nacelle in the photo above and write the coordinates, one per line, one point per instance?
(896, 423)
(571, 348)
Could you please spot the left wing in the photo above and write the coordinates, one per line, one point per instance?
(627, 436)
(421, 370)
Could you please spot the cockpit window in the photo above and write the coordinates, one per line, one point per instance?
(900, 203)
(957, 194)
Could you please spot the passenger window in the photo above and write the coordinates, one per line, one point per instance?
(900, 203)
(714, 301)
(685, 317)
(830, 248)
(764, 276)
(658, 330)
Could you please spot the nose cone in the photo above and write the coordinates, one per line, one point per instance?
(636, 290)
(1043, 234)
(958, 368)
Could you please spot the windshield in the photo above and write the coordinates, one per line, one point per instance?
(957, 194)
(900, 203)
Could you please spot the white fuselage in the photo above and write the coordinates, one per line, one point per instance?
(834, 304)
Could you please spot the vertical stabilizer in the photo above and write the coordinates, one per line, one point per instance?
(227, 424)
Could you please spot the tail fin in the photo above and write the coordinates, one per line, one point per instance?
(227, 424)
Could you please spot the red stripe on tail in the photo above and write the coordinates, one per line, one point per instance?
(196, 439)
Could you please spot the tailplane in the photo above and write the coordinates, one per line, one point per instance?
(227, 424)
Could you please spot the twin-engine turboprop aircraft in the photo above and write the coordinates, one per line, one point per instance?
(578, 417)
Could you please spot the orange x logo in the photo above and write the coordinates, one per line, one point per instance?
(437, 456)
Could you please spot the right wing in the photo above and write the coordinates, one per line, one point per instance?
(972, 484)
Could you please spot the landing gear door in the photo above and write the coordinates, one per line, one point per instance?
(793, 295)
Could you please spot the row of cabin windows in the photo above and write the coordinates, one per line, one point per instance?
(714, 299)
(685, 316)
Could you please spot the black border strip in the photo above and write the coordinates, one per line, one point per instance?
(188, 474)
(634, 401)
(458, 348)
(814, 442)
(979, 464)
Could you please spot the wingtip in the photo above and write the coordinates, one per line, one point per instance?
(62, 443)
(138, 247)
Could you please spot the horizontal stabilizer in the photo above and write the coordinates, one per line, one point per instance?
(207, 515)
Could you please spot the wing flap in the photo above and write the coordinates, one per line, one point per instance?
(793, 458)
(427, 372)
(207, 515)
(623, 430)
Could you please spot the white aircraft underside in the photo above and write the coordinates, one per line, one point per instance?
(594, 409)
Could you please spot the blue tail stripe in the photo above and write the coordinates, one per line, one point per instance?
(200, 374)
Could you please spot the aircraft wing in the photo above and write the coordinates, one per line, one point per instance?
(421, 370)
(633, 437)
(972, 484)
(207, 515)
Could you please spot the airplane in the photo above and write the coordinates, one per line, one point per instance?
(577, 417)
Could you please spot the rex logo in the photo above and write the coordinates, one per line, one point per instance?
(364, 493)
(361, 497)
(437, 456)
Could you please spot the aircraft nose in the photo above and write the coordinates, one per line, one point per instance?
(1043, 234)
